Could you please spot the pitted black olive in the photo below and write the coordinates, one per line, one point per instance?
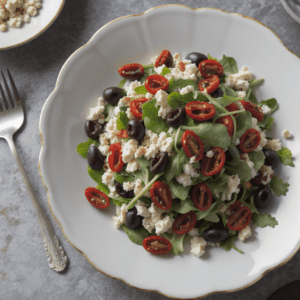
(93, 129)
(196, 58)
(133, 220)
(218, 93)
(121, 192)
(95, 158)
(262, 197)
(136, 130)
(176, 117)
(113, 94)
(215, 235)
(272, 158)
(159, 163)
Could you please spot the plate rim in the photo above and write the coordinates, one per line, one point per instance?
(40, 32)
(42, 144)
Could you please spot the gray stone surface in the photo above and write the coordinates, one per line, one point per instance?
(24, 273)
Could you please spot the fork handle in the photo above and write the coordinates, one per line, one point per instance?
(56, 257)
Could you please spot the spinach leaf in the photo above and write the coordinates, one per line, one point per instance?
(97, 176)
(251, 97)
(176, 240)
(177, 100)
(213, 209)
(254, 83)
(83, 148)
(210, 57)
(229, 91)
(181, 83)
(272, 103)
(212, 217)
(266, 123)
(184, 206)
(175, 165)
(219, 185)
(179, 191)
(241, 169)
(122, 82)
(141, 90)
(229, 65)
(243, 123)
(263, 220)
(122, 177)
(165, 71)
(136, 236)
(122, 121)
(285, 156)
(148, 70)
(151, 119)
(258, 158)
(278, 186)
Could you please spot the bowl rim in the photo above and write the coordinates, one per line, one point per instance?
(42, 142)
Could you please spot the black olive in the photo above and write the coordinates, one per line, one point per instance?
(95, 158)
(136, 130)
(113, 94)
(196, 58)
(121, 192)
(93, 129)
(218, 93)
(215, 235)
(159, 163)
(262, 197)
(133, 220)
(176, 117)
(256, 181)
(272, 158)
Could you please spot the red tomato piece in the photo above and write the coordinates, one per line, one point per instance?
(184, 223)
(164, 58)
(210, 84)
(202, 196)
(115, 161)
(161, 195)
(192, 145)
(234, 206)
(131, 71)
(239, 219)
(213, 165)
(154, 83)
(122, 134)
(250, 140)
(96, 198)
(227, 121)
(157, 245)
(136, 107)
(254, 110)
(200, 111)
(209, 68)
(232, 107)
(181, 66)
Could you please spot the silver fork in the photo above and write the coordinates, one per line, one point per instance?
(11, 119)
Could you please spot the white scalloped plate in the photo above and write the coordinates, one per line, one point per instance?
(93, 68)
(14, 37)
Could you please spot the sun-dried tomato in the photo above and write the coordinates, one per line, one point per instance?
(254, 110)
(234, 206)
(181, 66)
(131, 71)
(115, 161)
(184, 223)
(210, 67)
(96, 198)
(136, 107)
(157, 245)
(210, 84)
(192, 145)
(202, 196)
(250, 140)
(122, 134)
(213, 165)
(232, 107)
(200, 111)
(161, 195)
(240, 218)
(154, 83)
(164, 58)
(227, 121)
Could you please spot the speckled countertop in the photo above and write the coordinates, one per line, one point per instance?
(24, 272)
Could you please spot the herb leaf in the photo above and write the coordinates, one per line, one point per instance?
(175, 165)
(136, 236)
(263, 220)
(251, 97)
(184, 206)
(229, 65)
(254, 83)
(165, 71)
(122, 121)
(266, 122)
(241, 169)
(180, 191)
(141, 90)
(122, 82)
(97, 176)
(83, 148)
(148, 70)
(243, 123)
(177, 100)
(285, 156)
(258, 158)
(176, 240)
(278, 186)
(227, 244)
(272, 103)
(180, 83)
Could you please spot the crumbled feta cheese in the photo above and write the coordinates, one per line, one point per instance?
(142, 209)
(210, 154)
(241, 94)
(108, 177)
(128, 186)
(96, 112)
(130, 88)
(163, 225)
(194, 232)
(125, 101)
(138, 186)
(159, 69)
(244, 233)
(153, 59)
(198, 245)
(171, 129)
(239, 81)
(245, 157)
(140, 152)
(151, 151)
(132, 166)
(186, 90)
(156, 215)
(184, 179)
(129, 114)
(128, 150)
(104, 150)
(121, 215)
(189, 170)
(192, 159)
(149, 96)
(265, 109)
(236, 141)
(167, 145)
(274, 145)
(285, 133)
(164, 111)
(232, 183)
(162, 98)
(267, 174)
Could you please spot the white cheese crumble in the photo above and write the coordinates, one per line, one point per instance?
(286, 134)
(192, 159)
(159, 69)
(241, 94)
(240, 80)
(244, 233)
(163, 225)
(210, 154)
(130, 88)
(265, 109)
(232, 183)
(132, 166)
(186, 90)
(245, 157)
(96, 112)
(194, 232)
(274, 145)
(198, 245)
(184, 179)
(155, 216)
(267, 174)
(162, 100)
(121, 215)
(128, 150)
(142, 209)
(189, 170)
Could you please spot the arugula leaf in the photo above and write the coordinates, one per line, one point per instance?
(176, 240)
(148, 70)
(258, 158)
(175, 165)
(177, 100)
(97, 176)
(136, 236)
(116, 202)
(213, 208)
(263, 220)
(229, 242)
(165, 71)
(212, 218)
(122, 177)
(266, 122)
(231, 232)
(141, 90)
(272, 103)
(212, 134)
(180, 191)
(241, 169)
(223, 217)
(229, 64)
(122, 121)
(228, 91)
(181, 83)
(83, 148)
(184, 206)
(251, 97)
(122, 82)
(203, 226)
(285, 156)
(278, 186)
(254, 83)
(219, 185)
(151, 119)
(243, 123)
(146, 200)
(250, 205)
(210, 57)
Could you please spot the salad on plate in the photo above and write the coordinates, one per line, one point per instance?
(181, 147)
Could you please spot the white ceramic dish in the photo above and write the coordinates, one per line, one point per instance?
(14, 37)
(93, 68)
